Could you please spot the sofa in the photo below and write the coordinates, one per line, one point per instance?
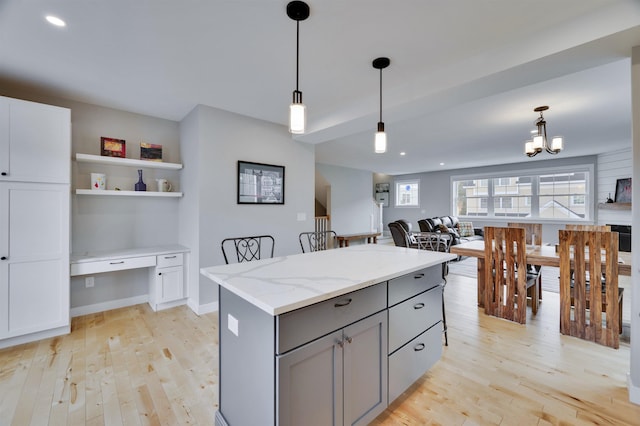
(461, 232)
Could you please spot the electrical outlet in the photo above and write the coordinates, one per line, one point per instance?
(89, 282)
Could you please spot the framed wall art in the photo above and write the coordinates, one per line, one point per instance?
(260, 183)
(110, 147)
(623, 191)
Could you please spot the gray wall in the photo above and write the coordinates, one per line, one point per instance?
(214, 140)
(351, 198)
(435, 193)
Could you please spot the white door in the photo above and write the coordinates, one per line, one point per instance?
(35, 142)
(170, 284)
(34, 247)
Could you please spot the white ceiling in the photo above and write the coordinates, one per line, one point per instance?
(464, 77)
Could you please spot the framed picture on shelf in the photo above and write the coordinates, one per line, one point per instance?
(110, 147)
(623, 191)
(260, 183)
(150, 151)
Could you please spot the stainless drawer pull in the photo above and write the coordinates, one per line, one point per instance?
(419, 347)
(116, 263)
(170, 257)
(418, 276)
(341, 304)
(418, 305)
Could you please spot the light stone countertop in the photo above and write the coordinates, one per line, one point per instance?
(282, 284)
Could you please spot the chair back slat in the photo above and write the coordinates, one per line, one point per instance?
(601, 228)
(589, 298)
(533, 232)
(506, 290)
(317, 240)
(247, 249)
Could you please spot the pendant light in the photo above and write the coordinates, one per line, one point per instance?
(539, 142)
(380, 142)
(298, 11)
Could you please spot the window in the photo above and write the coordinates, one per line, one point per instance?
(407, 193)
(540, 195)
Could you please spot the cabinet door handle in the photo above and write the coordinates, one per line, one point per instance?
(344, 303)
(418, 276)
(159, 273)
(418, 305)
(3, 258)
(116, 263)
(170, 257)
(340, 343)
(348, 339)
(419, 347)
(4, 173)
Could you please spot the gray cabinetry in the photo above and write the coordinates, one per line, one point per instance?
(415, 330)
(340, 361)
(339, 379)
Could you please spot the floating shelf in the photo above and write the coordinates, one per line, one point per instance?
(127, 162)
(614, 206)
(110, 192)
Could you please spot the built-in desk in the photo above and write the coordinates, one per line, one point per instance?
(167, 282)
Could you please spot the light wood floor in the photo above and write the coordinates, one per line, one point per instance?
(134, 366)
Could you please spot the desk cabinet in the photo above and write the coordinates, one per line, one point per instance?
(166, 283)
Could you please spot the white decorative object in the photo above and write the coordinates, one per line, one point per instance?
(98, 181)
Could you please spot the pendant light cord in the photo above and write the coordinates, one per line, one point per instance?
(297, 52)
(380, 94)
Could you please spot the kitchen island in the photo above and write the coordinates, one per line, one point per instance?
(329, 337)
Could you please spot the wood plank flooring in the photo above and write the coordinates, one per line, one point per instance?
(133, 366)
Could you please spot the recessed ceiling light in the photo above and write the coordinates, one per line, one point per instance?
(54, 20)
(403, 153)
(442, 164)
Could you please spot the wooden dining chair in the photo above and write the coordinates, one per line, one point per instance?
(533, 232)
(246, 249)
(532, 236)
(508, 280)
(590, 300)
(600, 228)
(317, 240)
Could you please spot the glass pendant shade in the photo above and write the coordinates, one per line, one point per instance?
(380, 142)
(538, 143)
(557, 144)
(528, 147)
(297, 118)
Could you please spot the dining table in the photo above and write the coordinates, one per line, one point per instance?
(539, 255)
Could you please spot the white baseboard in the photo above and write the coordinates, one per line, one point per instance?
(107, 306)
(202, 309)
(634, 391)
(32, 337)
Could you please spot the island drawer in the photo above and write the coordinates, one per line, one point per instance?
(97, 267)
(413, 360)
(303, 325)
(406, 286)
(411, 317)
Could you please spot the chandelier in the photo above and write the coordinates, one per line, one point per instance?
(539, 142)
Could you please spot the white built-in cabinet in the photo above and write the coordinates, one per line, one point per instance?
(35, 142)
(35, 152)
(166, 283)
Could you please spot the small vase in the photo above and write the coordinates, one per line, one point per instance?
(140, 185)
